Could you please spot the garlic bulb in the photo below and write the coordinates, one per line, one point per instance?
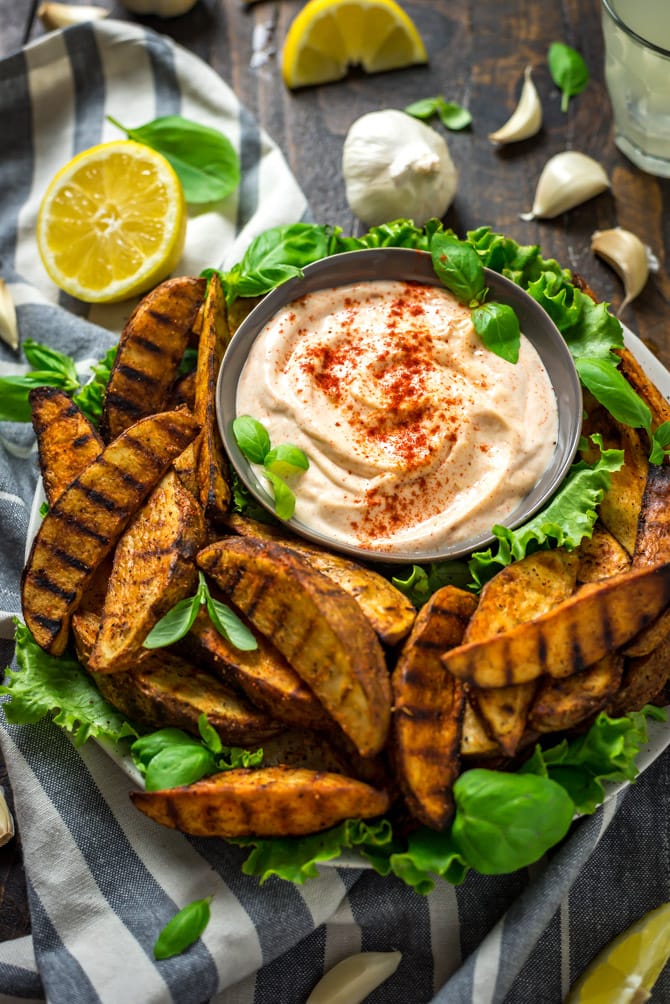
(61, 15)
(354, 978)
(627, 255)
(9, 331)
(393, 166)
(163, 8)
(526, 119)
(567, 180)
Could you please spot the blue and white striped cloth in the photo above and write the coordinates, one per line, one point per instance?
(103, 879)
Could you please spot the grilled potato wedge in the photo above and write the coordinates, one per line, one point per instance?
(428, 708)
(561, 704)
(317, 627)
(154, 567)
(652, 546)
(620, 507)
(601, 556)
(150, 350)
(648, 391)
(66, 440)
(84, 524)
(212, 467)
(594, 621)
(262, 802)
(643, 679)
(263, 675)
(475, 740)
(518, 593)
(388, 610)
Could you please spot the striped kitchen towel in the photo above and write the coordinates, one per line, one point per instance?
(102, 878)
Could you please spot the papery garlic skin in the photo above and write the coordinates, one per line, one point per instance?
(162, 8)
(62, 15)
(567, 180)
(354, 978)
(396, 166)
(627, 255)
(6, 821)
(526, 119)
(9, 330)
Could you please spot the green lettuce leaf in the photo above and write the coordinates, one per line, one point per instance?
(46, 684)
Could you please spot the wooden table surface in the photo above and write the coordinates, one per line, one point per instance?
(477, 53)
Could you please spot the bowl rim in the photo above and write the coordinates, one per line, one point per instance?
(413, 265)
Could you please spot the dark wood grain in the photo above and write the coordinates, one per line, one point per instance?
(478, 50)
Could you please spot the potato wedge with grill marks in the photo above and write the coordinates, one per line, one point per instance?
(600, 556)
(646, 388)
(318, 627)
(66, 440)
(428, 708)
(644, 677)
(518, 593)
(212, 471)
(84, 524)
(154, 568)
(150, 349)
(388, 610)
(262, 802)
(652, 546)
(263, 674)
(597, 619)
(562, 704)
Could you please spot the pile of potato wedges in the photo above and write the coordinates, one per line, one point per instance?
(362, 704)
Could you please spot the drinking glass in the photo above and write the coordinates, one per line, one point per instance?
(637, 72)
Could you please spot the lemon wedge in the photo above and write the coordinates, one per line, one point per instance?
(626, 969)
(328, 36)
(112, 222)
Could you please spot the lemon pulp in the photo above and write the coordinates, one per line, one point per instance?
(112, 222)
(328, 36)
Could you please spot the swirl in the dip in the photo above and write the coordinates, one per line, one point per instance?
(417, 435)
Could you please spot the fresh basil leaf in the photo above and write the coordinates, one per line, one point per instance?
(660, 442)
(453, 116)
(44, 509)
(14, 391)
(283, 496)
(175, 765)
(144, 749)
(230, 626)
(294, 244)
(286, 460)
(183, 929)
(611, 389)
(203, 158)
(176, 623)
(252, 438)
(504, 822)
(209, 735)
(568, 71)
(458, 267)
(498, 327)
(42, 357)
(423, 109)
(90, 398)
(263, 280)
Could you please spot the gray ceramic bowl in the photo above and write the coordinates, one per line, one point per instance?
(413, 266)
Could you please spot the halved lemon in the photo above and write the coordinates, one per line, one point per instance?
(328, 36)
(626, 969)
(112, 222)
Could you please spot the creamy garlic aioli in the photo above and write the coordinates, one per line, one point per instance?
(417, 435)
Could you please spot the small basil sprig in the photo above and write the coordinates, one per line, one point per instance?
(459, 268)
(451, 115)
(178, 621)
(278, 462)
(170, 757)
(568, 71)
(183, 929)
(204, 159)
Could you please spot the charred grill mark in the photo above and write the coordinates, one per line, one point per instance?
(123, 404)
(83, 440)
(69, 559)
(145, 451)
(261, 589)
(606, 630)
(576, 653)
(50, 624)
(42, 581)
(162, 320)
(424, 644)
(79, 527)
(99, 499)
(137, 376)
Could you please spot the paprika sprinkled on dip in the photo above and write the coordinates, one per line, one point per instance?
(416, 433)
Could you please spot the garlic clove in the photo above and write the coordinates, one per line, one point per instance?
(62, 15)
(6, 821)
(567, 180)
(352, 979)
(9, 331)
(526, 119)
(627, 255)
